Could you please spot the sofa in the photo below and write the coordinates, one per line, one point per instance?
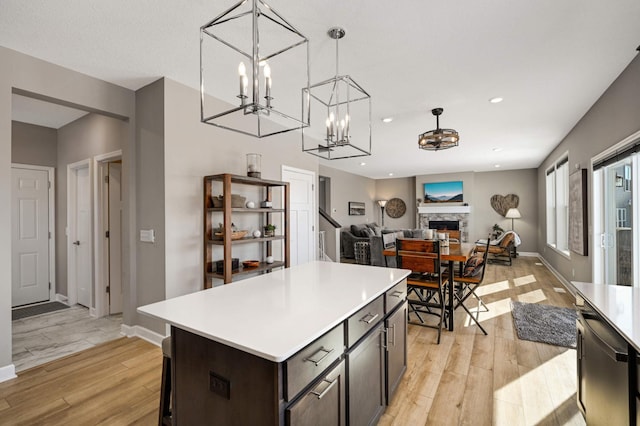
(357, 233)
(378, 240)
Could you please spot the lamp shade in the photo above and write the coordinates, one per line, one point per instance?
(513, 214)
(382, 203)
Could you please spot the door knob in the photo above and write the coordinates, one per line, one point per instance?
(77, 243)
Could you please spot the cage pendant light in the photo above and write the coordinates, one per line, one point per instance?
(339, 115)
(434, 140)
(252, 65)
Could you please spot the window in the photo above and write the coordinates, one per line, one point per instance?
(557, 194)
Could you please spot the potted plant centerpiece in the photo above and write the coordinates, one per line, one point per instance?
(269, 230)
(497, 231)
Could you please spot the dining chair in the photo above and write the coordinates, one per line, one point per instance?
(425, 282)
(469, 280)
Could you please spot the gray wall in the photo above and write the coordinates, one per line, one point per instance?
(194, 150)
(347, 187)
(35, 145)
(614, 117)
(403, 188)
(88, 136)
(522, 183)
(478, 188)
(25, 73)
(150, 213)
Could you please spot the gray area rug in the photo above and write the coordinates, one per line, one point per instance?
(29, 311)
(545, 323)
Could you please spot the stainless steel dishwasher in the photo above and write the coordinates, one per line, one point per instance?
(603, 371)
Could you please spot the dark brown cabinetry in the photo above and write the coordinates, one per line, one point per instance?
(224, 215)
(323, 404)
(366, 379)
(396, 356)
(342, 377)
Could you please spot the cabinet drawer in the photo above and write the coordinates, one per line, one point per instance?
(364, 320)
(395, 296)
(302, 368)
(323, 404)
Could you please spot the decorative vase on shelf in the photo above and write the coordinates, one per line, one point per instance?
(254, 165)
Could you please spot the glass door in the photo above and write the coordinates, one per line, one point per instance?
(614, 223)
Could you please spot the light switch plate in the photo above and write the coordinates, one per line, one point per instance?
(147, 236)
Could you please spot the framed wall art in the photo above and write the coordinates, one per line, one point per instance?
(578, 220)
(356, 208)
(443, 192)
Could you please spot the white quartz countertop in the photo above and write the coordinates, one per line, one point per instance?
(275, 315)
(620, 305)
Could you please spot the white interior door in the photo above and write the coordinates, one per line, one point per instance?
(29, 236)
(115, 238)
(80, 234)
(302, 214)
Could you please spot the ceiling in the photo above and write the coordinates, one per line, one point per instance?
(42, 113)
(549, 60)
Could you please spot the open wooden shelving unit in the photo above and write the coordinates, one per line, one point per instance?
(228, 181)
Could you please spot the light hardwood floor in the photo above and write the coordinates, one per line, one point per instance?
(468, 379)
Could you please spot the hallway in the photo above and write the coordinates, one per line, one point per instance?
(46, 337)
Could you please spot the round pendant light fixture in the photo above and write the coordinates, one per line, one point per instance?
(435, 140)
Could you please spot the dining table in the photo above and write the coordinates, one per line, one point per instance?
(454, 253)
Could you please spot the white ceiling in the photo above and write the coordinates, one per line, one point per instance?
(42, 113)
(550, 60)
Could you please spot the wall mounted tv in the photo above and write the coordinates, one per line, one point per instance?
(443, 192)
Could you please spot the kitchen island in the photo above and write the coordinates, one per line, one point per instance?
(607, 353)
(319, 342)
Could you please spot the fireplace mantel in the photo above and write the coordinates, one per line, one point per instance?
(443, 209)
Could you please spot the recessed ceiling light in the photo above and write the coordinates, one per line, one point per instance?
(390, 174)
(387, 119)
(363, 164)
(497, 166)
(496, 100)
(498, 149)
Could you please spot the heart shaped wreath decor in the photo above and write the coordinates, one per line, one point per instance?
(502, 203)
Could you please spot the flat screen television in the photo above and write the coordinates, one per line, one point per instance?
(443, 192)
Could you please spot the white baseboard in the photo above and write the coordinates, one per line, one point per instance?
(7, 372)
(62, 298)
(566, 284)
(143, 333)
(528, 254)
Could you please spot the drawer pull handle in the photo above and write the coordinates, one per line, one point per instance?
(324, 392)
(372, 318)
(397, 294)
(317, 362)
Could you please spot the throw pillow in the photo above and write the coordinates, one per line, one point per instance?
(372, 225)
(368, 232)
(378, 231)
(474, 266)
(358, 230)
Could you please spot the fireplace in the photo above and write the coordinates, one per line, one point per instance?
(451, 218)
(442, 225)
